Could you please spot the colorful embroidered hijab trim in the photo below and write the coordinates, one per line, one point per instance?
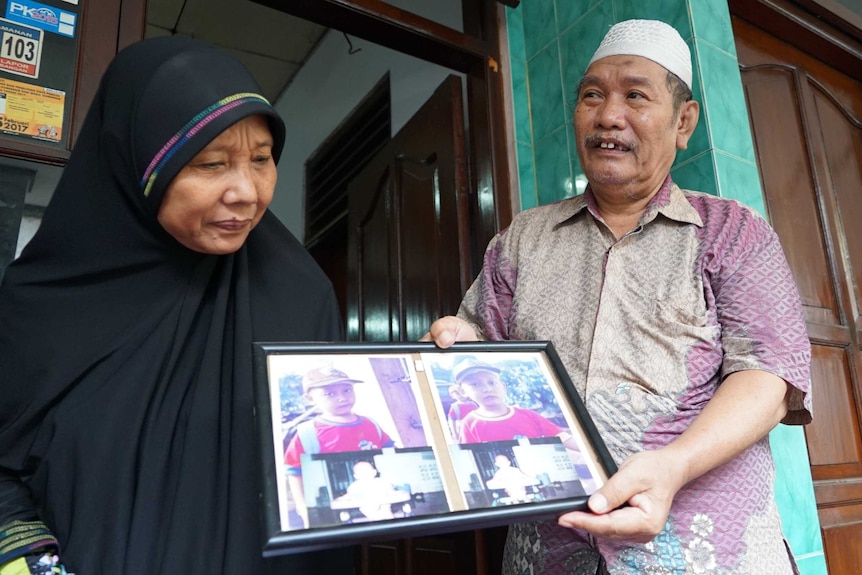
(188, 131)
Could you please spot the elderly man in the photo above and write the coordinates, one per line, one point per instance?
(678, 321)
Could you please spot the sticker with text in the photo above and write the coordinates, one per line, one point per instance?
(20, 49)
(31, 111)
(42, 16)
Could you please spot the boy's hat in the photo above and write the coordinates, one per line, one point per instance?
(323, 376)
(470, 366)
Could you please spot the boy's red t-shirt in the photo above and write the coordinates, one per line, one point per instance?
(360, 435)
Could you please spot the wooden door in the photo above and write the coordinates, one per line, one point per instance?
(807, 125)
(408, 261)
(408, 244)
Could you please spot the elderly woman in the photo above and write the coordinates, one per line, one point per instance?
(126, 403)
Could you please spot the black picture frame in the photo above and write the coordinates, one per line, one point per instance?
(390, 465)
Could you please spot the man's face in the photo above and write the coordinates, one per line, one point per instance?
(484, 388)
(626, 129)
(334, 400)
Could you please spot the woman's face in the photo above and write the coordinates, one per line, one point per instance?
(223, 192)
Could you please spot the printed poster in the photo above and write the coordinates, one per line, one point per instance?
(29, 110)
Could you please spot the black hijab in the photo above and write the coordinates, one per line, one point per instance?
(126, 395)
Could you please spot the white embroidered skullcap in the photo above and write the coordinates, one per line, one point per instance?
(650, 39)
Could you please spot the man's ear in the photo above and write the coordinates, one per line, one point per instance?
(689, 113)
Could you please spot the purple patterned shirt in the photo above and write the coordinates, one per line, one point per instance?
(647, 327)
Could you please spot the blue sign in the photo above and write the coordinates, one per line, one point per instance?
(41, 16)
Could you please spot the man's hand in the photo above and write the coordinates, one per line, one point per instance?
(449, 329)
(754, 400)
(647, 481)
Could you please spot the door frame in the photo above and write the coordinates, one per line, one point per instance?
(810, 26)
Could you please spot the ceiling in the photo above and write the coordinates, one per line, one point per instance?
(272, 44)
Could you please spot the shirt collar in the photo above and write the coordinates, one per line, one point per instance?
(670, 201)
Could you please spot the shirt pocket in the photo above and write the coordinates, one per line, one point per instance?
(684, 324)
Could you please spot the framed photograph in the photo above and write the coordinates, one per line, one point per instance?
(374, 441)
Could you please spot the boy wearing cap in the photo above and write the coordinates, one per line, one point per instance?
(336, 429)
(678, 321)
(494, 419)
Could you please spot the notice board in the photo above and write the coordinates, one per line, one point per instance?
(38, 51)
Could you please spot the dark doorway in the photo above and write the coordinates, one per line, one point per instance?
(408, 225)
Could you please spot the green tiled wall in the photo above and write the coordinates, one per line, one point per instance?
(550, 43)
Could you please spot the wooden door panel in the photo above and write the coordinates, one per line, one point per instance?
(842, 138)
(371, 279)
(832, 498)
(843, 530)
(785, 168)
(835, 429)
(427, 289)
(384, 558)
(420, 194)
(453, 554)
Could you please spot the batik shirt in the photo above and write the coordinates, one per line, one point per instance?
(647, 326)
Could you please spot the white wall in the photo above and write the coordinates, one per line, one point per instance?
(332, 83)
